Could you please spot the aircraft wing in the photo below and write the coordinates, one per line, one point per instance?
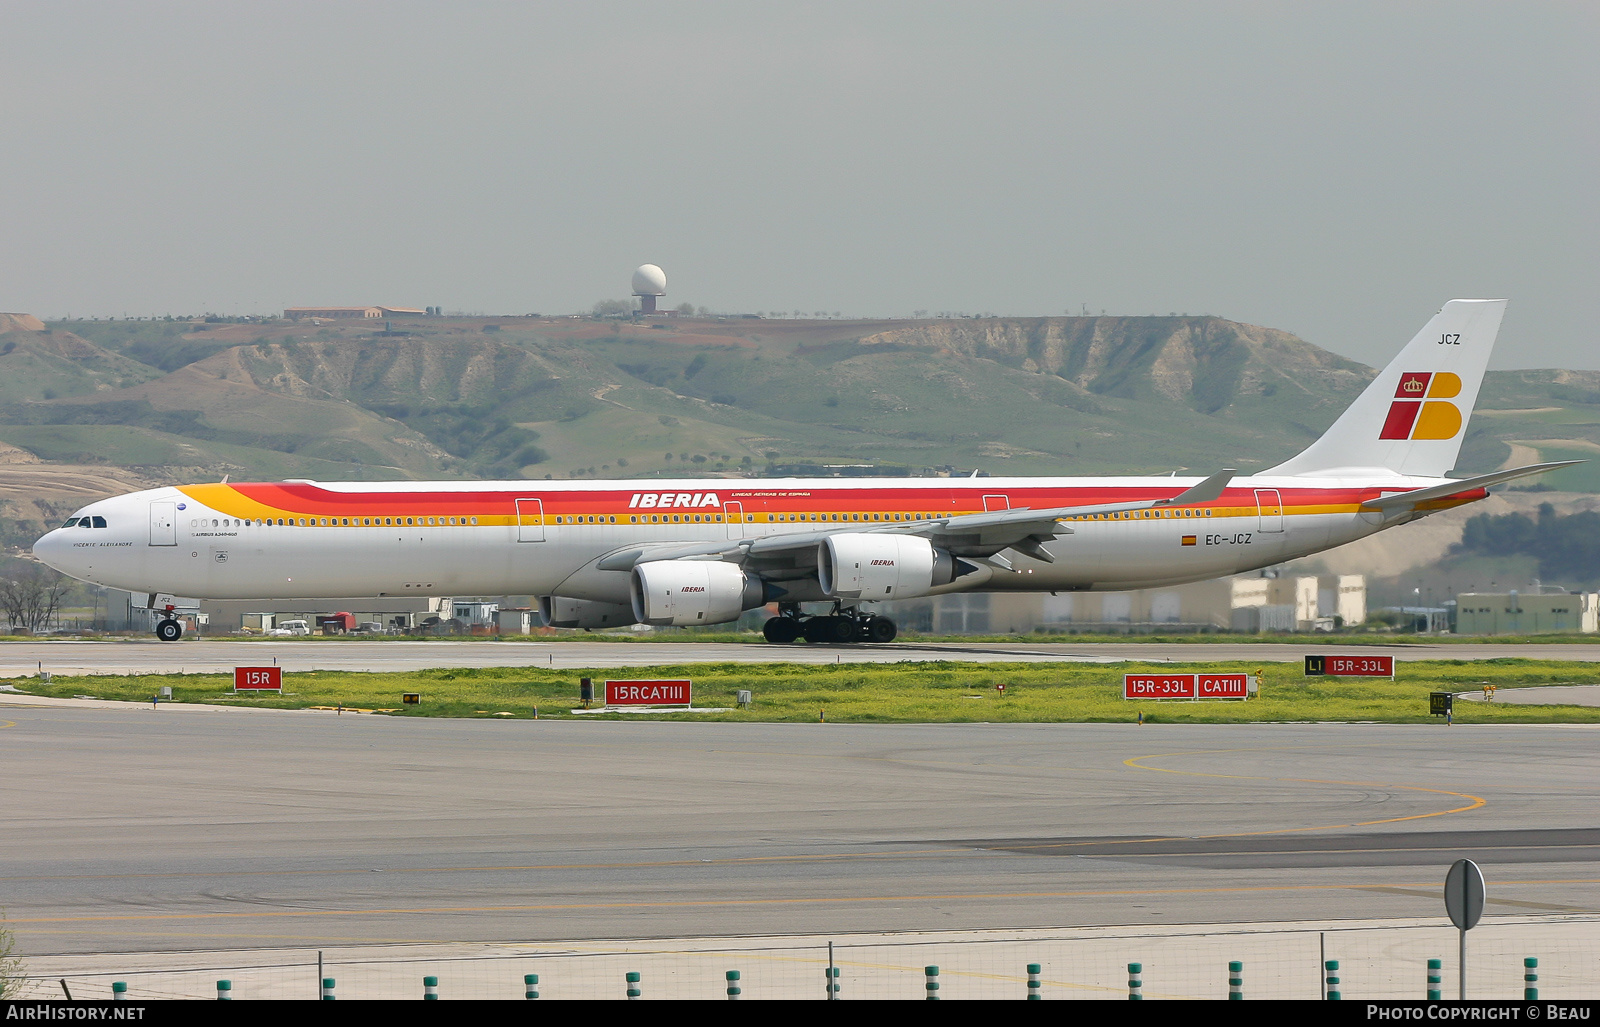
(980, 535)
(1402, 500)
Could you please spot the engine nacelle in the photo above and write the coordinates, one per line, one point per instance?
(684, 592)
(561, 612)
(873, 567)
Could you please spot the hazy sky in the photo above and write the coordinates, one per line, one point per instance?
(1337, 170)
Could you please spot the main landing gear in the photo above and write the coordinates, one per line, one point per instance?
(841, 626)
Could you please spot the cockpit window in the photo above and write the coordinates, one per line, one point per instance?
(99, 522)
(72, 522)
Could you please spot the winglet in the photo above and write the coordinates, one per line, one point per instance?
(1205, 492)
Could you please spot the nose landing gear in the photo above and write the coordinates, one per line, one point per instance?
(841, 626)
(169, 630)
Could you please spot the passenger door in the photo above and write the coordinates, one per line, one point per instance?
(734, 512)
(163, 524)
(1269, 505)
(530, 520)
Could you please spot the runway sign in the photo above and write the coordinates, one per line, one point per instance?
(1158, 686)
(1223, 686)
(258, 679)
(647, 693)
(1185, 686)
(1350, 666)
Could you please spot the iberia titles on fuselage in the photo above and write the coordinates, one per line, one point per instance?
(703, 551)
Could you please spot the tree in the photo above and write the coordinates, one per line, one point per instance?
(30, 594)
(686, 309)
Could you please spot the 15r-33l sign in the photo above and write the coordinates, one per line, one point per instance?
(1350, 666)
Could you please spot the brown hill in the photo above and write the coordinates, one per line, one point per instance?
(20, 323)
(1203, 362)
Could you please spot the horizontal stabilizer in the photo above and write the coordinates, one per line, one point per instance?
(1401, 500)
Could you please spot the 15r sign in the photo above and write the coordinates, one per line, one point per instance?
(258, 679)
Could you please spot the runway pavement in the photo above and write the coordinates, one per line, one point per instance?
(147, 656)
(137, 830)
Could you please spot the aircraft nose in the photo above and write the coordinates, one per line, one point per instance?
(51, 549)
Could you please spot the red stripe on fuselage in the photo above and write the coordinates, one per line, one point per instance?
(314, 501)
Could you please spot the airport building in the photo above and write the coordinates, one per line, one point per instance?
(1532, 613)
(1244, 603)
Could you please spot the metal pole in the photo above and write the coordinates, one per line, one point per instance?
(319, 973)
(1322, 960)
(1462, 992)
(831, 976)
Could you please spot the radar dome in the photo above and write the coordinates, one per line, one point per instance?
(649, 280)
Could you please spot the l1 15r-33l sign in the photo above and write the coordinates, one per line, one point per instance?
(1350, 666)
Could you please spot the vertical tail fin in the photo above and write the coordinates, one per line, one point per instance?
(1413, 416)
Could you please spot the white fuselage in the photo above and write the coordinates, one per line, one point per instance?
(304, 540)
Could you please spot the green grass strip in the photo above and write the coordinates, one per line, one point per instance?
(934, 692)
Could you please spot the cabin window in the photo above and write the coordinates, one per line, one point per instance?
(719, 518)
(474, 520)
(634, 519)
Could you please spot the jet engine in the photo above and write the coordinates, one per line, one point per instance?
(873, 567)
(683, 592)
(561, 612)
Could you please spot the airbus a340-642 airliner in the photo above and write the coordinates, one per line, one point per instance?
(703, 551)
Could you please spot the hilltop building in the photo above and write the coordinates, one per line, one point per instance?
(336, 313)
(649, 282)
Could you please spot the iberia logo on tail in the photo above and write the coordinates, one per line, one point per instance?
(1419, 410)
